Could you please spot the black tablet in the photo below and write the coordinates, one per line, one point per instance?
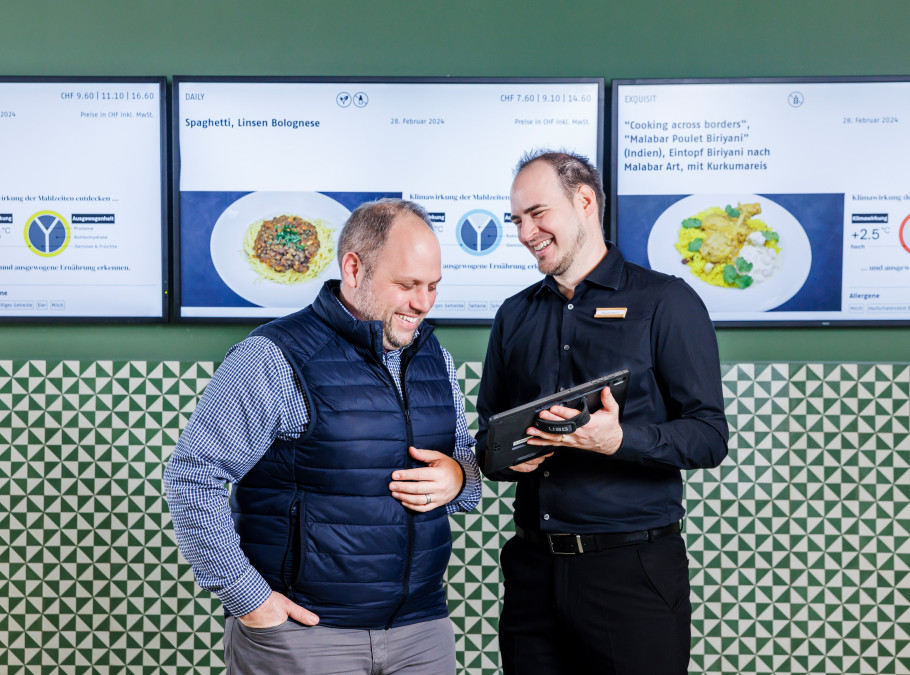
(507, 440)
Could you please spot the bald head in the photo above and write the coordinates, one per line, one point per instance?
(368, 227)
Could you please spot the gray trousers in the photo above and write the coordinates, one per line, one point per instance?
(426, 648)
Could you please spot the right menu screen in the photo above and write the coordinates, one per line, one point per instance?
(782, 201)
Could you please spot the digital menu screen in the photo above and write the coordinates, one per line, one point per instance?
(294, 157)
(778, 201)
(82, 199)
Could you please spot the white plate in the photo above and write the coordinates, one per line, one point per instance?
(231, 262)
(796, 254)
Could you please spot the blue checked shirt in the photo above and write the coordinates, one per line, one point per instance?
(252, 399)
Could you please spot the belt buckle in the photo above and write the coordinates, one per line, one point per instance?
(574, 538)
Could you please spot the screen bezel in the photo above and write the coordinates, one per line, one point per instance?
(612, 230)
(164, 187)
(175, 158)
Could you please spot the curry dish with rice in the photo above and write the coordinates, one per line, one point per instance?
(729, 247)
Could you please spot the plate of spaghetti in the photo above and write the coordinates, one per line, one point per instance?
(270, 247)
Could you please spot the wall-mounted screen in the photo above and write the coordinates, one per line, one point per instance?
(781, 201)
(298, 155)
(83, 217)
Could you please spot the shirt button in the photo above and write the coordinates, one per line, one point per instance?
(570, 306)
(546, 516)
(565, 347)
(546, 474)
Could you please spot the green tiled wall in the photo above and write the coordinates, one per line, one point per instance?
(799, 544)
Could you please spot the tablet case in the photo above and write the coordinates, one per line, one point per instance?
(507, 440)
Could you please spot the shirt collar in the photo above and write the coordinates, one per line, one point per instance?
(606, 273)
(348, 312)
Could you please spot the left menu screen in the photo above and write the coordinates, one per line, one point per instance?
(82, 185)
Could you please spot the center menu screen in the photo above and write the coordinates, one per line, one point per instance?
(82, 199)
(779, 201)
(297, 156)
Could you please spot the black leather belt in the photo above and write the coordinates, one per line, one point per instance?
(572, 544)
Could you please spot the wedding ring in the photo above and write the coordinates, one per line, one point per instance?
(429, 499)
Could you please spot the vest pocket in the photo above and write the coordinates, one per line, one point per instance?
(293, 552)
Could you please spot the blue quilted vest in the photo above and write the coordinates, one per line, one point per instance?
(314, 515)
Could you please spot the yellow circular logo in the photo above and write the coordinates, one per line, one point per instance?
(47, 233)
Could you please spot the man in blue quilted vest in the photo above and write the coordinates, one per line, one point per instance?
(342, 431)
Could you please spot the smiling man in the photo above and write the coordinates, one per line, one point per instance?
(342, 430)
(596, 578)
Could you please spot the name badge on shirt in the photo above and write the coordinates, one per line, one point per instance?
(610, 313)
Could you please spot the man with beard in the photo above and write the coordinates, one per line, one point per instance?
(596, 578)
(342, 430)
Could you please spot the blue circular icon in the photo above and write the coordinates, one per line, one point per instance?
(479, 232)
(47, 233)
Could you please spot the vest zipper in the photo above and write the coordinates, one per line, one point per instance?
(288, 564)
(409, 434)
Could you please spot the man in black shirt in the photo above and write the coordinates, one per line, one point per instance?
(596, 579)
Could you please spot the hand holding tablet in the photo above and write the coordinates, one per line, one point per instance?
(535, 429)
(600, 432)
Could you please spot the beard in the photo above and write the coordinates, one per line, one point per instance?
(369, 308)
(561, 265)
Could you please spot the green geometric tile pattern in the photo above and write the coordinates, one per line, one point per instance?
(799, 543)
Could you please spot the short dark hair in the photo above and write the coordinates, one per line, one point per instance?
(573, 171)
(367, 228)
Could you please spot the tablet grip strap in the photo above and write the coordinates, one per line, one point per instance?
(565, 426)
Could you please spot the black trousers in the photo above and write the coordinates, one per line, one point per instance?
(622, 611)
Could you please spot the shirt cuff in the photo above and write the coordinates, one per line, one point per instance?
(468, 497)
(245, 594)
(635, 440)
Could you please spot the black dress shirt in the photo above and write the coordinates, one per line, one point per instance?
(674, 412)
